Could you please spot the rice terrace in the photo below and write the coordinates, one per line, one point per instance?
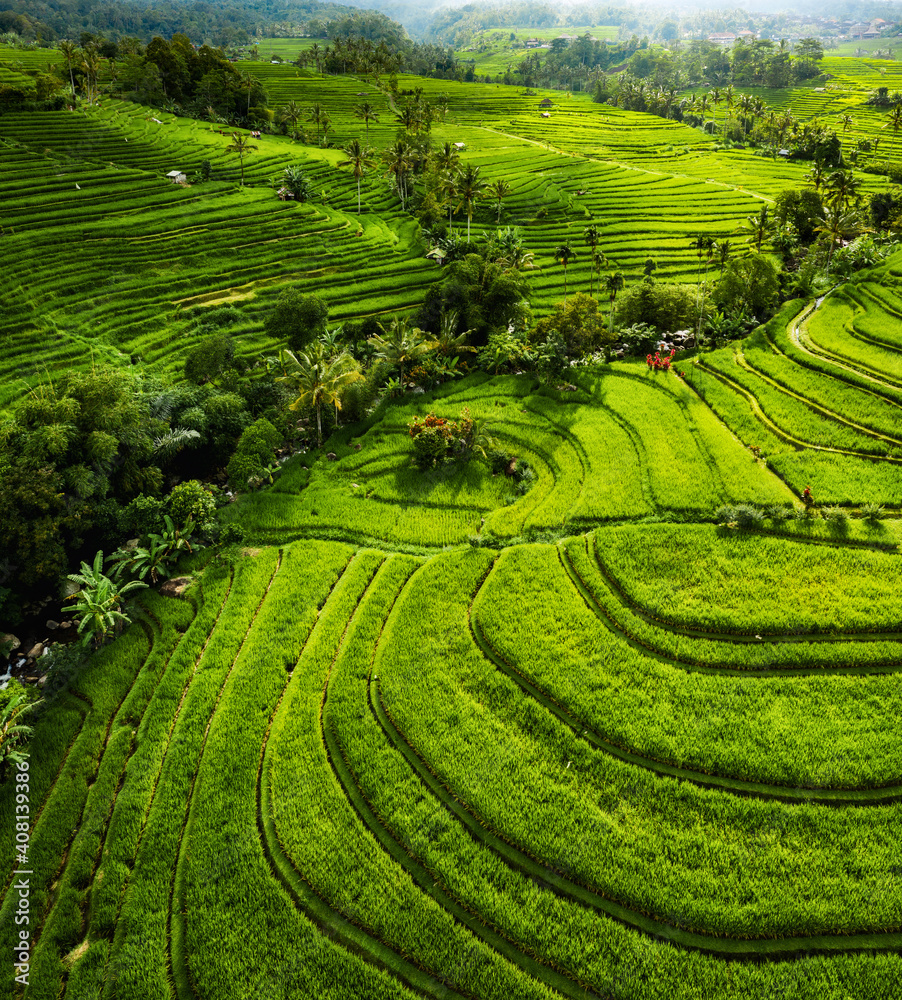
(450, 502)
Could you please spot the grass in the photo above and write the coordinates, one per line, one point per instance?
(429, 736)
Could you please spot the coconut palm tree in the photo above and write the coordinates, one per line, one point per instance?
(499, 190)
(69, 50)
(592, 236)
(99, 601)
(241, 145)
(366, 113)
(895, 119)
(447, 157)
(842, 188)
(291, 114)
(838, 225)
(757, 228)
(722, 250)
(400, 343)
(359, 160)
(563, 255)
(398, 160)
(612, 284)
(318, 379)
(471, 189)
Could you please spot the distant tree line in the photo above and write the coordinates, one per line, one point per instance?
(228, 22)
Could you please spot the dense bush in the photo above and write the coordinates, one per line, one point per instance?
(666, 306)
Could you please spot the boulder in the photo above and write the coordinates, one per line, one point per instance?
(332, 456)
(52, 625)
(176, 586)
(36, 650)
(8, 643)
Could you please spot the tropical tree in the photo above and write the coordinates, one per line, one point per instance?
(837, 225)
(291, 114)
(499, 190)
(599, 263)
(69, 50)
(297, 182)
(447, 187)
(359, 160)
(398, 160)
(613, 283)
(400, 343)
(471, 188)
(842, 188)
(563, 255)
(99, 601)
(241, 145)
(318, 379)
(722, 249)
(366, 113)
(895, 118)
(757, 228)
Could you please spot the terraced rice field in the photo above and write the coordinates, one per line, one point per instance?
(819, 391)
(117, 257)
(569, 769)
(428, 737)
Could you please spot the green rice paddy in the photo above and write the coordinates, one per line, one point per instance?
(422, 735)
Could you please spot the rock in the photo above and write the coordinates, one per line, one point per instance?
(176, 586)
(52, 625)
(9, 643)
(35, 651)
(42, 680)
(66, 624)
(30, 680)
(332, 456)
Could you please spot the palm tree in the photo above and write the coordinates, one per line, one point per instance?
(398, 160)
(592, 237)
(366, 113)
(447, 187)
(756, 228)
(612, 285)
(895, 118)
(471, 189)
(99, 600)
(317, 379)
(842, 188)
(599, 263)
(359, 160)
(447, 157)
(316, 114)
(847, 122)
(90, 61)
(400, 343)
(241, 146)
(69, 50)
(563, 255)
(816, 175)
(291, 114)
(838, 225)
(722, 248)
(248, 82)
(716, 95)
(499, 190)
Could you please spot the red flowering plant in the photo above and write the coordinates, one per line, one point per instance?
(437, 439)
(659, 363)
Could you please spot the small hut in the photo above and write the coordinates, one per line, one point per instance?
(546, 103)
(177, 177)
